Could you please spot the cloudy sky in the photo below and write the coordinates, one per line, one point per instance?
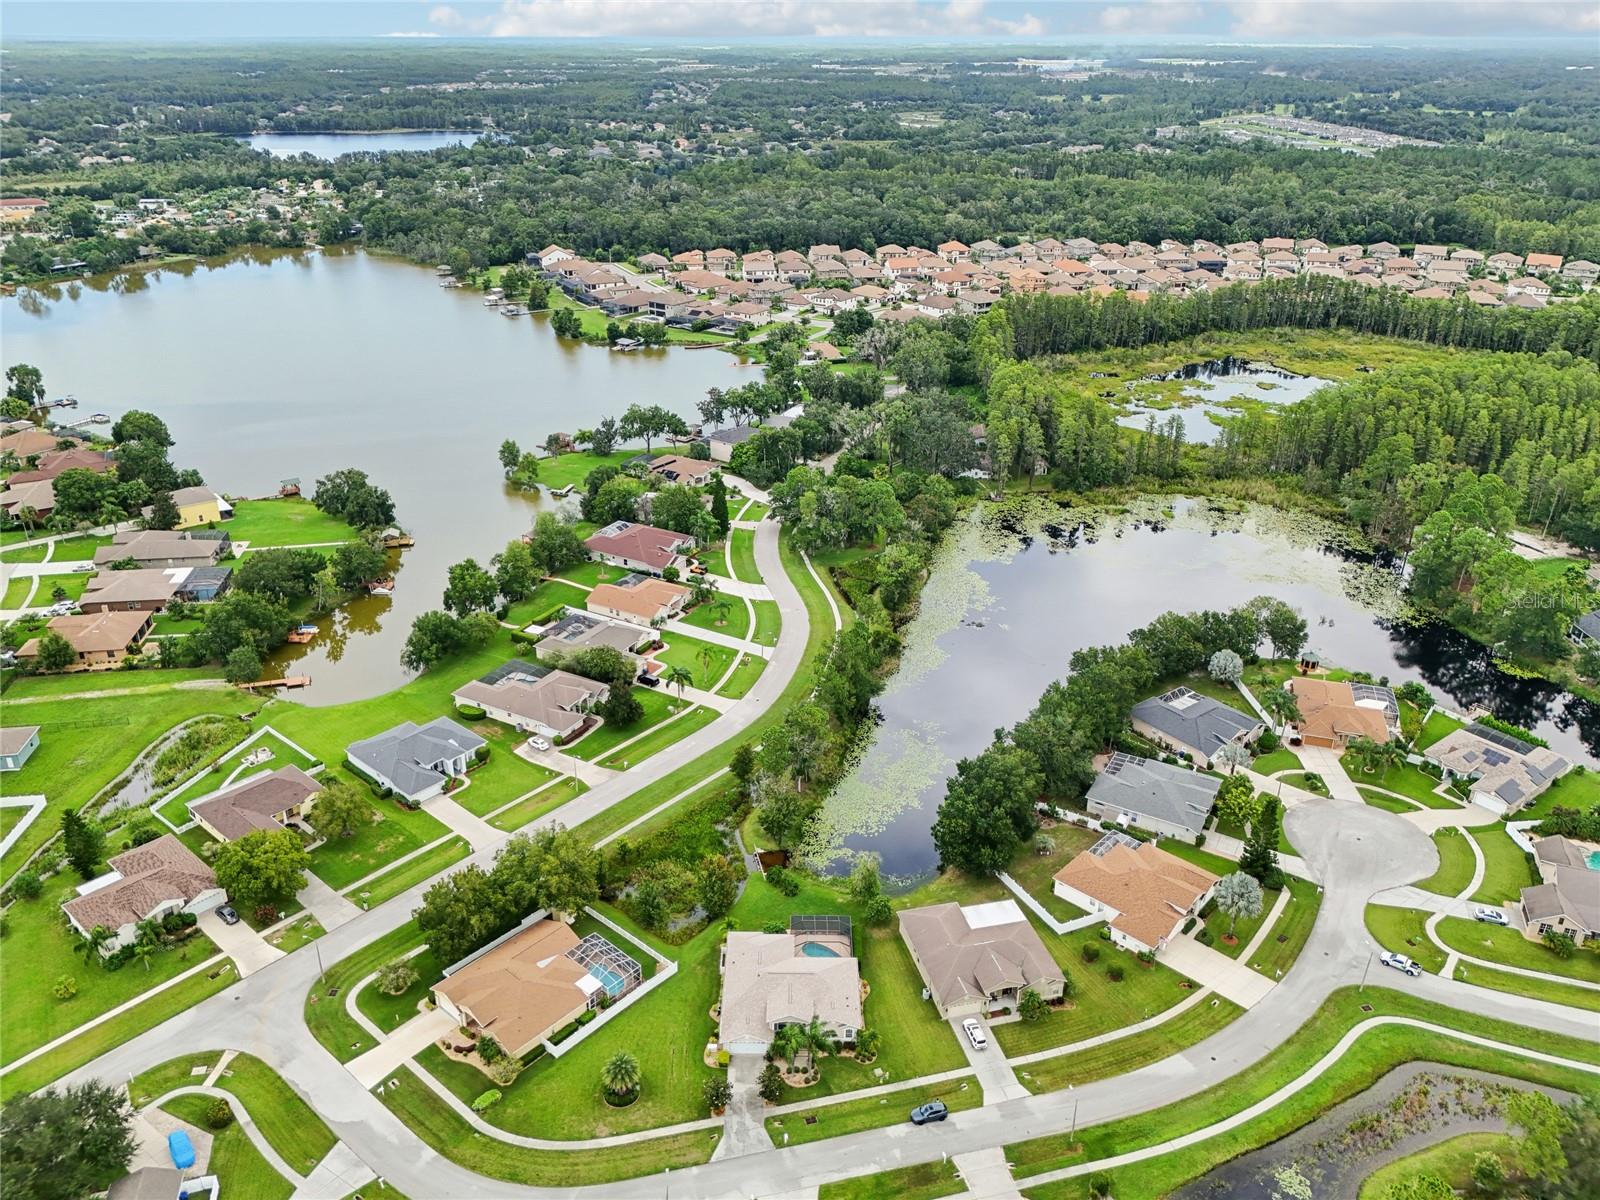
(727, 20)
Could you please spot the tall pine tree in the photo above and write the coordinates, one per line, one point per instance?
(84, 841)
(1260, 857)
(719, 503)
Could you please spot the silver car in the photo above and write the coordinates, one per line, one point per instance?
(1491, 916)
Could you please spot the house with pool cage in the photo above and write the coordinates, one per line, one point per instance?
(770, 980)
(534, 981)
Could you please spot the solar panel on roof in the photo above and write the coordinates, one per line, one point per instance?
(1500, 738)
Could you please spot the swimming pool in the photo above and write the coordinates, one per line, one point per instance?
(1594, 860)
(817, 950)
(613, 983)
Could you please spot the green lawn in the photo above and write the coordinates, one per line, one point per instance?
(441, 1128)
(91, 1043)
(706, 661)
(1280, 759)
(921, 1181)
(768, 622)
(599, 742)
(537, 805)
(1288, 935)
(1456, 864)
(852, 1116)
(1578, 788)
(724, 614)
(1188, 1028)
(588, 574)
(324, 1008)
(487, 792)
(398, 831)
(410, 873)
(1376, 799)
(176, 807)
(544, 598)
(1435, 727)
(1401, 930)
(714, 558)
(391, 1012)
(1220, 924)
(288, 1123)
(174, 1073)
(242, 1174)
(1036, 872)
(1502, 945)
(556, 473)
(1553, 991)
(664, 735)
(1407, 780)
(744, 676)
(1451, 1160)
(743, 542)
(17, 592)
(73, 549)
(40, 947)
(290, 522)
(299, 933)
(1505, 870)
(751, 510)
(25, 554)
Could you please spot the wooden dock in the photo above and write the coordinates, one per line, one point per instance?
(293, 681)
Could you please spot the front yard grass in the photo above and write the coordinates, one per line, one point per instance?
(339, 862)
(288, 1123)
(666, 734)
(744, 676)
(601, 741)
(324, 1012)
(538, 804)
(40, 948)
(920, 1181)
(17, 591)
(77, 549)
(491, 787)
(410, 873)
(768, 622)
(1281, 759)
(1188, 1028)
(1553, 991)
(1288, 935)
(706, 661)
(1407, 780)
(292, 521)
(242, 1174)
(726, 615)
(1035, 872)
(1401, 930)
(1502, 945)
(1377, 799)
(388, 1013)
(872, 1112)
(1505, 870)
(743, 543)
(174, 1073)
(1456, 864)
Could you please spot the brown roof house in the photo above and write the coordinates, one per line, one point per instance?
(640, 547)
(100, 639)
(534, 698)
(166, 548)
(269, 801)
(638, 598)
(1335, 713)
(529, 984)
(678, 469)
(145, 883)
(978, 957)
(770, 980)
(1568, 898)
(1144, 893)
(79, 458)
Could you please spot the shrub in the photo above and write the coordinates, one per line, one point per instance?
(219, 1114)
(1147, 956)
(1100, 1185)
(775, 927)
(27, 886)
(487, 1100)
(1563, 945)
(1090, 952)
(265, 914)
(879, 911)
(1188, 925)
(1031, 1005)
(1114, 974)
(469, 712)
(1204, 937)
(489, 1049)
(66, 987)
(771, 1083)
(172, 922)
(481, 754)
(717, 1092)
(781, 879)
(396, 978)
(1199, 840)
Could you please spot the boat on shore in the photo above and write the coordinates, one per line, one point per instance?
(301, 635)
(381, 587)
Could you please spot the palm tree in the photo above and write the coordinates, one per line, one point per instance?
(788, 1042)
(28, 515)
(817, 1038)
(1233, 756)
(91, 943)
(707, 656)
(1281, 706)
(620, 1075)
(719, 610)
(679, 677)
(142, 952)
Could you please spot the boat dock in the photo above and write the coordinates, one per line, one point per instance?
(292, 681)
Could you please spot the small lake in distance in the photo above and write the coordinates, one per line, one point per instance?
(330, 146)
(1208, 387)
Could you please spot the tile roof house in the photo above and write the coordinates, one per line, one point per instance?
(1568, 898)
(147, 589)
(1144, 893)
(640, 547)
(1193, 725)
(146, 883)
(40, 496)
(196, 506)
(677, 469)
(1152, 795)
(1505, 772)
(166, 548)
(580, 630)
(535, 699)
(638, 598)
(415, 760)
(17, 744)
(977, 957)
(770, 980)
(56, 461)
(269, 801)
(25, 443)
(100, 639)
(1335, 713)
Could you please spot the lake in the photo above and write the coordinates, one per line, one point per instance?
(1215, 390)
(330, 146)
(270, 366)
(1018, 588)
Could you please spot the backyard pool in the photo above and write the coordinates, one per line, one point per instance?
(817, 950)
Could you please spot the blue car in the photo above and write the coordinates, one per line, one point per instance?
(933, 1110)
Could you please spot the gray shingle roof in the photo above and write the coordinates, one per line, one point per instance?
(1193, 720)
(402, 754)
(1146, 788)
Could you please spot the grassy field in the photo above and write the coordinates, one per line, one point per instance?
(1188, 1028)
(174, 1073)
(77, 549)
(744, 677)
(1036, 872)
(91, 1043)
(743, 543)
(324, 1008)
(706, 661)
(390, 1012)
(1401, 930)
(395, 832)
(537, 805)
(852, 1116)
(1280, 759)
(1437, 726)
(288, 1123)
(557, 473)
(236, 1163)
(40, 947)
(921, 1181)
(768, 622)
(599, 742)
(1288, 935)
(1505, 871)
(1407, 780)
(726, 615)
(1456, 864)
(589, 574)
(667, 734)
(481, 801)
(289, 522)
(1377, 799)
(1451, 1160)
(1507, 946)
(17, 592)
(1578, 788)
(1550, 990)
(544, 598)
(410, 873)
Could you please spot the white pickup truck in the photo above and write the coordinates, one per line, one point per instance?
(1400, 962)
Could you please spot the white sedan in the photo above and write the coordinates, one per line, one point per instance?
(975, 1034)
(1491, 916)
(1400, 963)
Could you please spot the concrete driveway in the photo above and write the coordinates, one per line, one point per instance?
(1215, 970)
(248, 949)
(994, 1070)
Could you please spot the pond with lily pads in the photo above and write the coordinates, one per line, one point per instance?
(1208, 393)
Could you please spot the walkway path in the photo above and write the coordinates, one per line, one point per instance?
(479, 833)
(987, 1175)
(245, 1122)
(328, 906)
(684, 629)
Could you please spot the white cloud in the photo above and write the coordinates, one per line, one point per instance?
(740, 18)
(1151, 16)
(1399, 18)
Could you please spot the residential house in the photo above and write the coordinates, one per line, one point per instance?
(1504, 773)
(148, 1183)
(1193, 725)
(541, 978)
(1169, 800)
(1567, 900)
(38, 497)
(196, 506)
(550, 257)
(640, 547)
(721, 261)
(413, 760)
(654, 262)
(675, 468)
(954, 251)
(1582, 271)
(978, 957)
(270, 801)
(1528, 285)
(1334, 713)
(689, 260)
(166, 548)
(1504, 264)
(51, 464)
(145, 589)
(641, 598)
(144, 884)
(1586, 630)
(770, 980)
(1144, 893)
(536, 699)
(99, 639)
(580, 630)
(1544, 264)
(17, 744)
(25, 443)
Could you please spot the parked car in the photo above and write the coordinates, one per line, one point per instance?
(539, 743)
(84, 566)
(697, 568)
(1400, 963)
(648, 679)
(933, 1110)
(228, 915)
(975, 1034)
(1491, 916)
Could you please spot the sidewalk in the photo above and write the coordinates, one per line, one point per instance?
(479, 833)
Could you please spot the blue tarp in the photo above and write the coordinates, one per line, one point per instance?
(181, 1149)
